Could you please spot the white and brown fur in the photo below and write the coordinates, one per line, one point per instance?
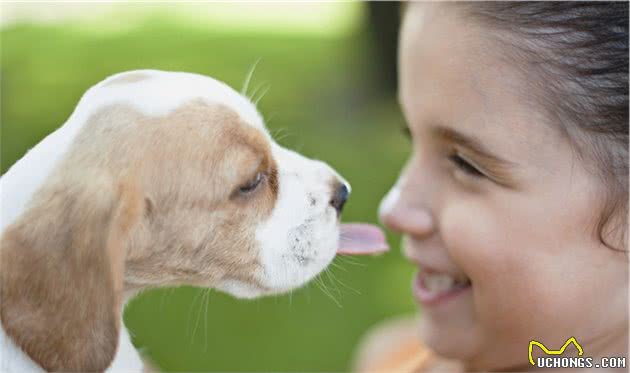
(140, 188)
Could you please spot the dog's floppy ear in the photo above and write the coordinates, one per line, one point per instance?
(61, 271)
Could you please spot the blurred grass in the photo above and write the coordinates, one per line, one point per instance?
(319, 103)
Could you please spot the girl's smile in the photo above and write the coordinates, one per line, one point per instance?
(433, 289)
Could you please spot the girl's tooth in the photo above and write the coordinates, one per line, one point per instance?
(439, 283)
(433, 283)
(428, 282)
(447, 282)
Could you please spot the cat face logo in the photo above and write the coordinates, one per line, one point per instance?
(553, 352)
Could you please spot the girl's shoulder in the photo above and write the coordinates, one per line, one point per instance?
(393, 346)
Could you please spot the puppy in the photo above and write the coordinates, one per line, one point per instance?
(156, 179)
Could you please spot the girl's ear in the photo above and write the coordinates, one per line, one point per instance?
(61, 271)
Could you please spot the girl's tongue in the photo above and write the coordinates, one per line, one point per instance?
(361, 239)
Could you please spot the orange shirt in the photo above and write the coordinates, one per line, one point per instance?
(411, 356)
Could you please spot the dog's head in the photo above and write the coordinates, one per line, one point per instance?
(169, 178)
(225, 206)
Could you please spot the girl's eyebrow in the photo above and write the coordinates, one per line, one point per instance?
(475, 146)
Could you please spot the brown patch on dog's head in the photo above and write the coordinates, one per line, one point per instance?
(127, 78)
(200, 229)
(158, 199)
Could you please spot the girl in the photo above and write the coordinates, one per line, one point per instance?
(514, 203)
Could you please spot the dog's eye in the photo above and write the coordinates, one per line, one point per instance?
(253, 184)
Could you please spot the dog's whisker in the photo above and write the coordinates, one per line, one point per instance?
(336, 280)
(264, 92)
(269, 118)
(348, 258)
(192, 306)
(277, 131)
(281, 133)
(205, 319)
(351, 261)
(344, 285)
(256, 90)
(192, 338)
(283, 136)
(323, 288)
(337, 265)
(248, 78)
(332, 281)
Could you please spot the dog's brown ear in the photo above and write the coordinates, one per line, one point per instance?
(61, 272)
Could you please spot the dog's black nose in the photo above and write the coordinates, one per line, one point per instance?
(339, 197)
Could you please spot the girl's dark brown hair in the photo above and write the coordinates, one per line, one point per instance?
(577, 56)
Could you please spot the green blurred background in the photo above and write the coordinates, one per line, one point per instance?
(326, 69)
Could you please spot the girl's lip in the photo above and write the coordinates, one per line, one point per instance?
(429, 299)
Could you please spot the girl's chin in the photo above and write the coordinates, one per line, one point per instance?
(449, 342)
(462, 347)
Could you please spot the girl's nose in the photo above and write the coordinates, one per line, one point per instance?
(404, 216)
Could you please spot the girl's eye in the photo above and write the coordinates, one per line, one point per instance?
(252, 185)
(465, 166)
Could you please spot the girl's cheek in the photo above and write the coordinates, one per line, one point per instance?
(475, 241)
(471, 239)
(481, 244)
(511, 278)
(489, 241)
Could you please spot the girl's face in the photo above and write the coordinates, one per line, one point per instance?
(497, 210)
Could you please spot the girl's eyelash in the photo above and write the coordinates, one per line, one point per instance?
(465, 166)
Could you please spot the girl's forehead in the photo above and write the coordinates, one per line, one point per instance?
(452, 74)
